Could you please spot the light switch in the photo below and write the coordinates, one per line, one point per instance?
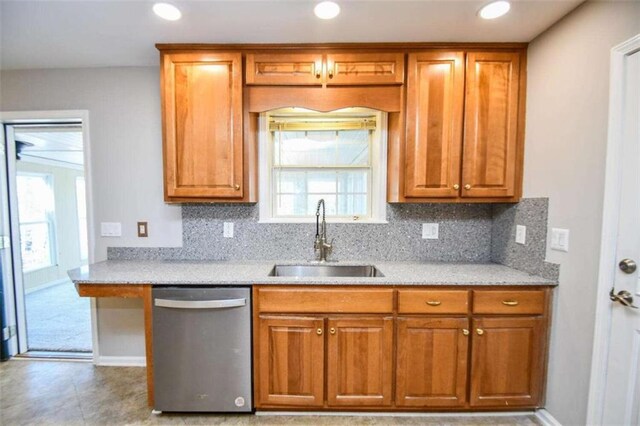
(559, 239)
(521, 234)
(111, 229)
(430, 231)
(143, 229)
(227, 230)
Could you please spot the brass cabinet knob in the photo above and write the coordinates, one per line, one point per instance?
(319, 331)
(434, 302)
(465, 331)
(237, 187)
(456, 186)
(332, 330)
(467, 186)
(331, 73)
(510, 302)
(480, 331)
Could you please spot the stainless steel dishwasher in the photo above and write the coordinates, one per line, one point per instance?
(202, 349)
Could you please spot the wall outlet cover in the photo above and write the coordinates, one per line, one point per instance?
(560, 239)
(143, 229)
(110, 229)
(521, 234)
(227, 230)
(430, 231)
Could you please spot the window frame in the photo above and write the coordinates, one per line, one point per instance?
(377, 177)
(50, 221)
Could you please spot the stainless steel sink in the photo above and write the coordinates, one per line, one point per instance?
(325, 271)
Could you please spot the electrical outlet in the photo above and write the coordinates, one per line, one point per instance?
(227, 230)
(143, 229)
(560, 239)
(430, 231)
(521, 234)
(110, 229)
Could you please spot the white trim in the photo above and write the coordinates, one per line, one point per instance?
(397, 414)
(20, 117)
(611, 206)
(120, 361)
(46, 285)
(546, 418)
(50, 162)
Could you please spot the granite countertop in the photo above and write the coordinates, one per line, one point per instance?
(247, 273)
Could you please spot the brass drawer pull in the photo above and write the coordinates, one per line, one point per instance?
(332, 330)
(465, 331)
(480, 331)
(434, 302)
(319, 332)
(510, 302)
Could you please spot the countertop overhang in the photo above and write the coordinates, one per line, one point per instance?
(171, 272)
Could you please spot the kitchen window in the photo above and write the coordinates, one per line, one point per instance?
(36, 210)
(339, 157)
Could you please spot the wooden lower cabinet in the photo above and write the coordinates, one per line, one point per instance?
(291, 361)
(359, 361)
(431, 364)
(508, 361)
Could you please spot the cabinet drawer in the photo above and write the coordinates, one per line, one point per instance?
(433, 301)
(508, 302)
(293, 69)
(324, 300)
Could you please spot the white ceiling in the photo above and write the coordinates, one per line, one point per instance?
(94, 33)
(61, 144)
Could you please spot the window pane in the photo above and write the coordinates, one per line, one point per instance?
(352, 205)
(353, 147)
(35, 197)
(35, 245)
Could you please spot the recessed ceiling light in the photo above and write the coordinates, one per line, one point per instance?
(495, 9)
(326, 10)
(167, 11)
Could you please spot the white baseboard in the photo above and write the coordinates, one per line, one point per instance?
(46, 285)
(120, 361)
(546, 418)
(390, 414)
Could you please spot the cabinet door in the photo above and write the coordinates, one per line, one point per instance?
(435, 93)
(490, 164)
(507, 366)
(296, 69)
(359, 361)
(290, 361)
(365, 68)
(431, 362)
(202, 113)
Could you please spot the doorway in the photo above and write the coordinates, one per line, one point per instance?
(47, 196)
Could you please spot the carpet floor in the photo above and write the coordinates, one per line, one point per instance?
(58, 320)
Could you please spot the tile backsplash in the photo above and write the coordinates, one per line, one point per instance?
(467, 233)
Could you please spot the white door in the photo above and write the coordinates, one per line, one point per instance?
(622, 389)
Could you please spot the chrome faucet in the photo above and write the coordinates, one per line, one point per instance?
(321, 243)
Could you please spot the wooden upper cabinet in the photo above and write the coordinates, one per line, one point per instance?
(359, 361)
(435, 97)
(508, 361)
(280, 69)
(291, 361)
(431, 362)
(491, 136)
(364, 68)
(202, 125)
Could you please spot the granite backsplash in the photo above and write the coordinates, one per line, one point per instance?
(468, 233)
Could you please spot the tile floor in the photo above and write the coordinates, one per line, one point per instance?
(78, 393)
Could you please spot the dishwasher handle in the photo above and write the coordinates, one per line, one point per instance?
(200, 304)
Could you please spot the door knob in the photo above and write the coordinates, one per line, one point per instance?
(623, 297)
(628, 266)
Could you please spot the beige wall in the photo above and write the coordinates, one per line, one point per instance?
(67, 232)
(566, 135)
